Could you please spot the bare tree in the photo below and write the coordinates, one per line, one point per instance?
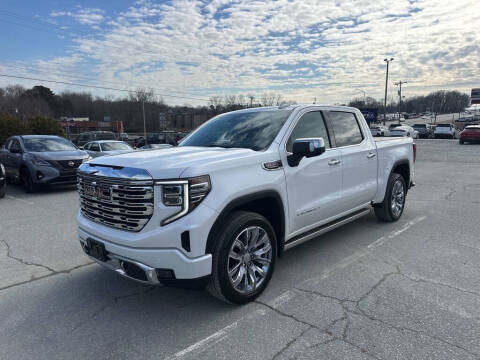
(271, 99)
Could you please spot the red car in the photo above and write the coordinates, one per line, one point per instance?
(471, 133)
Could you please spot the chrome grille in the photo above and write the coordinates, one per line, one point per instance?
(129, 207)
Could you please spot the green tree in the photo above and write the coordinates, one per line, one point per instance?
(44, 126)
(9, 126)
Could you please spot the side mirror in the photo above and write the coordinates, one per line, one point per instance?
(305, 148)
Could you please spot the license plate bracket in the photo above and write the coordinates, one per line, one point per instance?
(96, 250)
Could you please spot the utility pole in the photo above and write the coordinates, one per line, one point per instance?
(315, 100)
(399, 84)
(386, 89)
(364, 95)
(144, 123)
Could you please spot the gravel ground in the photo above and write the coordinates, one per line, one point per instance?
(408, 290)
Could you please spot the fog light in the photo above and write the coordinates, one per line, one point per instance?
(40, 175)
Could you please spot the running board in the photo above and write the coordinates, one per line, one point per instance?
(300, 239)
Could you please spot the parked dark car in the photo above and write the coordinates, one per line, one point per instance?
(157, 138)
(35, 160)
(3, 181)
(424, 130)
(88, 136)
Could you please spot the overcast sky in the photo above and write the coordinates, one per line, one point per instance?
(328, 49)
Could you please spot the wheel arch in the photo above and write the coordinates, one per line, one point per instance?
(267, 203)
(402, 167)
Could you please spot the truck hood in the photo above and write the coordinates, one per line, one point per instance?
(170, 163)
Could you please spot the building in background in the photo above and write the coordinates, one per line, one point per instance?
(76, 125)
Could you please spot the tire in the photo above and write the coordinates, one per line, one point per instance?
(395, 187)
(230, 242)
(460, 142)
(3, 190)
(27, 181)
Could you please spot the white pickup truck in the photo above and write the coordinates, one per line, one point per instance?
(246, 186)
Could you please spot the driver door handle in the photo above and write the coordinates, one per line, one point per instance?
(371, 155)
(334, 162)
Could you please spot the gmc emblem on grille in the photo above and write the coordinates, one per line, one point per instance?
(71, 163)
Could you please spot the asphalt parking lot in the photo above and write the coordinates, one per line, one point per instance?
(408, 290)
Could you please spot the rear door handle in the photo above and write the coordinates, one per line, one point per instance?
(371, 155)
(333, 162)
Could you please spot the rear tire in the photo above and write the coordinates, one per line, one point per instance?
(460, 142)
(245, 247)
(27, 181)
(391, 209)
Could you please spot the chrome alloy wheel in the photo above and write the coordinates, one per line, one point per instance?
(398, 198)
(249, 259)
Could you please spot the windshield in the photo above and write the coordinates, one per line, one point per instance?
(111, 146)
(48, 144)
(419, 126)
(250, 130)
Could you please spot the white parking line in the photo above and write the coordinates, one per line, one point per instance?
(21, 200)
(207, 342)
(287, 295)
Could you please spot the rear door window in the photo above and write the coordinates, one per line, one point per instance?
(345, 128)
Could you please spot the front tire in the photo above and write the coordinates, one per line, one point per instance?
(27, 181)
(3, 190)
(243, 258)
(391, 209)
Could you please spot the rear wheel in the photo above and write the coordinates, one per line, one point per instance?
(243, 258)
(391, 208)
(461, 142)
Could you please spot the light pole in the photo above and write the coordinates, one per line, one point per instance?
(399, 84)
(144, 124)
(386, 88)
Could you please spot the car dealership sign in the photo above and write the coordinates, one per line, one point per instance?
(370, 115)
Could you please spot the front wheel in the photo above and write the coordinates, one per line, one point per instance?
(3, 189)
(27, 181)
(391, 208)
(243, 258)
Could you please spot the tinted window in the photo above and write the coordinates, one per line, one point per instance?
(251, 130)
(346, 129)
(111, 146)
(94, 147)
(48, 144)
(310, 125)
(105, 136)
(15, 145)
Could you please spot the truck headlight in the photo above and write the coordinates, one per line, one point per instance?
(187, 194)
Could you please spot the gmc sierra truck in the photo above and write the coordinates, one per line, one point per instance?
(239, 191)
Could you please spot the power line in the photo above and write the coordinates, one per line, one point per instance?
(96, 86)
(81, 77)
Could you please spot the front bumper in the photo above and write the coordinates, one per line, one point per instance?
(52, 176)
(151, 260)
